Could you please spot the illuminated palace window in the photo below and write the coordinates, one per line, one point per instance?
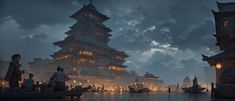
(118, 68)
(88, 53)
(83, 60)
(99, 33)
(61, 57)
(118, 57)
(225, 24)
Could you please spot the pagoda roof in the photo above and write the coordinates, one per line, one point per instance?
(120, 65)
(76, 38)
(149, 75)
(119, 52)
(81, 24)
(71, 31)
(187, 79)
(61, 52)
(223, 14)
(68, 39)
(90, 41)
(61, 43)
(89, 8)
(79, 42)
(226, 7)
(104, 27)
(83, 40)
(219, 57)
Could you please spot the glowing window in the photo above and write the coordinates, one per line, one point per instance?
(226, 24)
(88, 53)
(61, 57)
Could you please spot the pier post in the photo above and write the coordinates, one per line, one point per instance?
(212, 90)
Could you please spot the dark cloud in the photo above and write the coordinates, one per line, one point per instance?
(161, 36)
(199, 37)
(30, 43)
(32, 13)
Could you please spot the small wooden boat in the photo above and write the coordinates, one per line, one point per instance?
(195, 89)
(43, 95)
(143, 90)
(138, 87)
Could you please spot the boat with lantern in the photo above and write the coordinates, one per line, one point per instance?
(75, 93)
(196, 88)
(138, 87)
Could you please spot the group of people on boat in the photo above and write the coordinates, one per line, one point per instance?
(138, 87)
(57, 80)
(14, 73)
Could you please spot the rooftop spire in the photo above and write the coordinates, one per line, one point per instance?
(90, 2)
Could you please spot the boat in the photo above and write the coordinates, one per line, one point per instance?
(138, 87)
(195, 89)
(43, 95)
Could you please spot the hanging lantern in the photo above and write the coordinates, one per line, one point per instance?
(3, 83)
(218, 66)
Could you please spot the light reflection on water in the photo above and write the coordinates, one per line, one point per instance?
(136, 97)
(144, 97)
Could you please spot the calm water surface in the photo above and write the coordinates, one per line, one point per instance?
(147, 97)
(137, 97)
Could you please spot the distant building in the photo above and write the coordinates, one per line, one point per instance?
(3, 68)
(150, 81)
(42, 68)
(186, 82)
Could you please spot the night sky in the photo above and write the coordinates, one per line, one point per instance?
(163, 37)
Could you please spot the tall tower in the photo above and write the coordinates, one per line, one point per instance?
(86, 45)
(224, 61)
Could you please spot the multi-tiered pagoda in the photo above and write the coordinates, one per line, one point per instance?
(224, 61)
(86, 49)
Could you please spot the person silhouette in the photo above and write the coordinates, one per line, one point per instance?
(29, 83)
(14, 73)
(59, 78)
